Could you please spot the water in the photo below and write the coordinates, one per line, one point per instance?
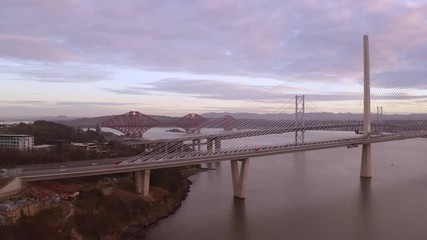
(310, 195)
(15, 122)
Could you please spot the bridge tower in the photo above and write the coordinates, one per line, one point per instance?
(190, 122)
(299, 118)
(366, 165)
(379, 122)
(133, 124)
(228, 122)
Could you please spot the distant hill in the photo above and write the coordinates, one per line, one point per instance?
(285, 116)
(166, 121)
(46, 131)
(85, 122)
(91, 122)
(57, 118)
(314, 116)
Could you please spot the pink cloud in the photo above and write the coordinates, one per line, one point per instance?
(270, 38)
(32, 48)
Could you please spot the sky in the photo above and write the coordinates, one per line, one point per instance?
(99, 57)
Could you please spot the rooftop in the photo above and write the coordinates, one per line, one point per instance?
(15, 135)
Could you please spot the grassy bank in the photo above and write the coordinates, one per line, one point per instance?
(4, 182)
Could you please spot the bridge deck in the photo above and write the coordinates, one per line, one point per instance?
(190, 158)
(248, 133)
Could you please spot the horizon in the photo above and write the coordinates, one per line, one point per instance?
(87, 59)
(71, 118)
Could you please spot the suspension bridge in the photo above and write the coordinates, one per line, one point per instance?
(300, 131)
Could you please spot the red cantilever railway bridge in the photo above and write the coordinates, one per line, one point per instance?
(135, 124)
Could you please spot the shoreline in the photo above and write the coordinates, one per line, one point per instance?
(136, 231)
(106, 208)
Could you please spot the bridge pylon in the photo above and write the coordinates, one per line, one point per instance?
(190, 122)
(299, 118)
(379, 123)
(366, 163)
(132, 124)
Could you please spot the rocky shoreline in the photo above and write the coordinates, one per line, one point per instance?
(106, 208)
(161, 208)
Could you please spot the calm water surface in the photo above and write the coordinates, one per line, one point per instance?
(310, 195)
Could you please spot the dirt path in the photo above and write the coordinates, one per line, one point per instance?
(72, 211)
(74, 234)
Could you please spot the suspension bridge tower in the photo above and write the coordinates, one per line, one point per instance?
(379, 123)
(299, 118)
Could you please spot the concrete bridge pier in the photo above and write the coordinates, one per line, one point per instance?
(209, 144)
(217, 144)
(366, 168)
(142, 182)
(196, 143)
(166, 147)
(239, 177)
(182, 146)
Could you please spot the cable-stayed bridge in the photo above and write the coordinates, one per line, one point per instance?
(295, 132)
(141, 165)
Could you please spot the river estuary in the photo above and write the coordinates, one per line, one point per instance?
(309, 195)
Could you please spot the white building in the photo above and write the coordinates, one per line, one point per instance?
(85, 146)
(16, 141)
